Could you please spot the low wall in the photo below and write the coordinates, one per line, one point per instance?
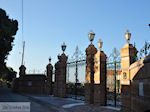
(136, 96)
(30, 84)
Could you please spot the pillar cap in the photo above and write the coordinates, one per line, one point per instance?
(22, 67)
(128, 48)
(102, 54)
(62, 57)
(50, 66)
(91, 49)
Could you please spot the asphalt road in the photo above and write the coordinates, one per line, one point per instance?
(50, 103)
(6, 95)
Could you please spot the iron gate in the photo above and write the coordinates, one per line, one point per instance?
(113, 79)
(75, 68)
(75, 89)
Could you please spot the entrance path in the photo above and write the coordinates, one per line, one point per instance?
(6, 95)
(72, 105)
(52, 104)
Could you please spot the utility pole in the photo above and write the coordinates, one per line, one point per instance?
(22, 62)
(23, 53)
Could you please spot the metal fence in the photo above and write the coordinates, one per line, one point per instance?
(75, 69)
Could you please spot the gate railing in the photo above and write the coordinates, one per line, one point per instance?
(78, 59)
(76, 90)
(113, 78)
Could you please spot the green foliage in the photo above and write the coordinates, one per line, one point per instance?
(8, 28)
(9, 74)
(70, 85)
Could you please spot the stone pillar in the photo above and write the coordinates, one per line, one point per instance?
(100, 78)
(60, 76)
(89, 86)
(128, 56)
(22, 70)
(57, 72)
(49, 78)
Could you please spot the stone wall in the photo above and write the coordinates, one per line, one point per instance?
(136, 96)
(31, 84)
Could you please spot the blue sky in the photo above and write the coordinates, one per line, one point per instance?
(49, 23)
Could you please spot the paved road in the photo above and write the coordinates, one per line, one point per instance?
(50, 103)
(7, 96)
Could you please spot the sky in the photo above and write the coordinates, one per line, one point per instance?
(49, 23)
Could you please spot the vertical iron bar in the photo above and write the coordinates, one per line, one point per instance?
(76, 79)
(68, 73)
(115, 83)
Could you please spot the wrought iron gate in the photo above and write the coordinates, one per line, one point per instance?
(76, 89)
(76, 66)
(113, 79)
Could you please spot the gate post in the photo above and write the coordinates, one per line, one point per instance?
(100, 76)
(22, 70)
(60, 75)
(89, 86)
(57, 72)
(128, 56)
(49, 73)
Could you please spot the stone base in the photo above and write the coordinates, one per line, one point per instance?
(60, 91)
(89, 93)
(99, 95)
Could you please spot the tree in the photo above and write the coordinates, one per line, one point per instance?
(145, 50)
(8, 28)
(135, 54)
(9, 74)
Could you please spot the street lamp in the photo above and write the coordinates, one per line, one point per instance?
(63, 47)
(127, 36)
(91, 35)
(100, 44)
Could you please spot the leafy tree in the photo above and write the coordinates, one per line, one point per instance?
(9, 74)
(8, 28)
